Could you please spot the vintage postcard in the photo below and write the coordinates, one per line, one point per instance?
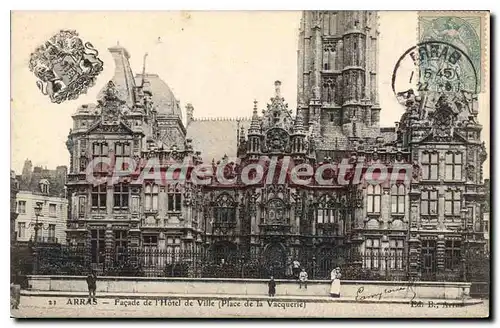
(314, 164)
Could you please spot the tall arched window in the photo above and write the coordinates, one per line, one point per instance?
(174, 197)
(373, 198)
(398, 193)
(330, 216)
(225, 212)
(327, 210)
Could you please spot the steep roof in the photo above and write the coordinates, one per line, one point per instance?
(163, 98)
(216, 137)
(56, 179)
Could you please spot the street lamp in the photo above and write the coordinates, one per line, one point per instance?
(37, 226)
(38, 212)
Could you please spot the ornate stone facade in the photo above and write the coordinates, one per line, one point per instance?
(424, 224)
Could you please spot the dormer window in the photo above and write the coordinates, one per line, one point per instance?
(44, 186)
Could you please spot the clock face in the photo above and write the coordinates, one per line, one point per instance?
(433, 68)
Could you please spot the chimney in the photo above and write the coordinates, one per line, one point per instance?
(189, 113)
(123, 78)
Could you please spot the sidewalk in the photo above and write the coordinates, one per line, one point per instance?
(279, 298)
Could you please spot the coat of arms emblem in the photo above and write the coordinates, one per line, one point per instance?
(65, 66)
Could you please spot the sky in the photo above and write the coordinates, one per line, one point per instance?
(218, 61)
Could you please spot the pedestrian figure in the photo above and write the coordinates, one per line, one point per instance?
(15, 296)
(91, 283)
(303, 278)
(296, 268)
(289, 268)
(335, 287)
(272, 286)
(15, 289)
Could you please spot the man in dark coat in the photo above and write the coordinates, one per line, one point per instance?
(91, 283)
(272, 286)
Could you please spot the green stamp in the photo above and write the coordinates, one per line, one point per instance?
(461, 31)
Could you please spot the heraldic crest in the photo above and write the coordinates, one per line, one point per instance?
(65, 66)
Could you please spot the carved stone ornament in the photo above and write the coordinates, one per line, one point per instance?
(187, 197)
(416, 172)
(443, 119)
(110, 104)
(316, 92)
(70, 143)
(470, 172)
(483, 155)
(276, 212)
(277, 140)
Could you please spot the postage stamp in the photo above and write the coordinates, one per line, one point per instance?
(65, 66)
(466, 31)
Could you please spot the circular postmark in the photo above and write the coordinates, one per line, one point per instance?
(434, 67)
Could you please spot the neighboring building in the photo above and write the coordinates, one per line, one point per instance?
(423, 225)
(486, 215)
(14, 188)
(45, 188)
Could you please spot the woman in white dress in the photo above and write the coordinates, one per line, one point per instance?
(335, 287)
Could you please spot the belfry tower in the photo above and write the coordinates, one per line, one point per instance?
(337, 73)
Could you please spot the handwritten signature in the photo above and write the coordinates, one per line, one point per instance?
(362, 296)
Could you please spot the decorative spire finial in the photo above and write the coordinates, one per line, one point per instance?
(255, 124)
(299, 122)
(144, 69)
(277, 88)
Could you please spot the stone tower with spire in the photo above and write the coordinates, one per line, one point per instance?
(337, 91)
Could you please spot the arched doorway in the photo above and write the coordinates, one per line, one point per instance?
(221, 261)
(328, 257)
(274, 260)
(223, 250)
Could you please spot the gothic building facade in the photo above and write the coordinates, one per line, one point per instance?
(422, 224)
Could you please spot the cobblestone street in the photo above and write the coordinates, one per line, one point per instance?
(60, 307)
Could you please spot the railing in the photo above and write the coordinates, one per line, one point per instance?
(153, 262)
